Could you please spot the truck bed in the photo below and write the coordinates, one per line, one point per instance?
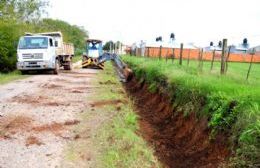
(66, 49)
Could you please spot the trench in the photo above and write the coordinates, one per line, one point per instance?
(178, 141)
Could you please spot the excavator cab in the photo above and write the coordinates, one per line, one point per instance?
(94, 50)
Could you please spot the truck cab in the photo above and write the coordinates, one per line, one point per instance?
(36, 52)
(44, 51)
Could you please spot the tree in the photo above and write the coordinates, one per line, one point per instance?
(19, 16)
(71, 33)
(23, 10)
(107, 45)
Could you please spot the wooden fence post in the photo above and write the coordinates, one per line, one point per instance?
(148, 52)
(229, 49)
(223, 61)
(188, 62)
(213, 59)
(173, 55)
(201, 60)
(167, 53)
(181, 52)
(250, 66)
(160, 53)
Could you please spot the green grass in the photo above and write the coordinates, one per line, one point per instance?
(122, 147)
(76, 58)
(8, 77)
(115, 140)
(230, 102)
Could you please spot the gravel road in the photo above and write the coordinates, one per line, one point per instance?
(36, 116)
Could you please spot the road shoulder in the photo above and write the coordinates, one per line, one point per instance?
(108, 133)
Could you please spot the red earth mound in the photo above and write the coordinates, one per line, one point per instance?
(178, 141)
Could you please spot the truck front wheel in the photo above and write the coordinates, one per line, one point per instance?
(57, 68)
(24, 72)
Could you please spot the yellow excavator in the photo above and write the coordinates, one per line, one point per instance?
(95, 58)
(94, 51)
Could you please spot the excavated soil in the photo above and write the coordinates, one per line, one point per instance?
(106, 102)
(32, 140)
(178, 141)
(12, 125)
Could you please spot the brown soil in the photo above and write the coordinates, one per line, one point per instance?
(76, 91)
(53, 127)
(109, 82)
(106, 102)
(72, 122)
(29, 99)
(179, 142)
(56, 104)
(31, 140)
(50, 86)
(12, 125)
(37, 100)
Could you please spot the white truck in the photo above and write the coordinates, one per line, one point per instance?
(44, 51)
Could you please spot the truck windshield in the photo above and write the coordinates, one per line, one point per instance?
(33, 43)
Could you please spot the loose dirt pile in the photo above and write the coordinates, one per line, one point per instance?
(107, 102)
(179, 142)
(12, 125)
(32, 140)
(38, 101)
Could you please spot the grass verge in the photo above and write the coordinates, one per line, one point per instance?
(76, 58)
(108, 129)
(121, 146)
(8, 77)
(230, 102)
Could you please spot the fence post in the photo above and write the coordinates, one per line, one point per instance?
(148, 52)
(200, 59)
(250, 66)
(173, 55)
(188, 62)
(229, 48)
(213, 59)
(166, 57)
(223, 62)
(160, 53)
(181, 52)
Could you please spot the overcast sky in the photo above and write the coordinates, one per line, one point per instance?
(198, 21)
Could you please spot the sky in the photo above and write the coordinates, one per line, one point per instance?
(196, 21)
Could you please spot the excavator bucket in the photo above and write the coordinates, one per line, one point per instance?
(92, 63)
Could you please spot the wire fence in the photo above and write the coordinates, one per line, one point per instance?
(223, 56)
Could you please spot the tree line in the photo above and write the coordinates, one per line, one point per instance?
(20, 16)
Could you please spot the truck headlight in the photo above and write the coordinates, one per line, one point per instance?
(20, 63)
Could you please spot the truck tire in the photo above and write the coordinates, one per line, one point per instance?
(24, 72)
(68, 67)
(57, 68)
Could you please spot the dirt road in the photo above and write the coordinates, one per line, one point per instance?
(36, 116)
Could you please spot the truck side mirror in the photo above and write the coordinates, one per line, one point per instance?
(56, 43)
